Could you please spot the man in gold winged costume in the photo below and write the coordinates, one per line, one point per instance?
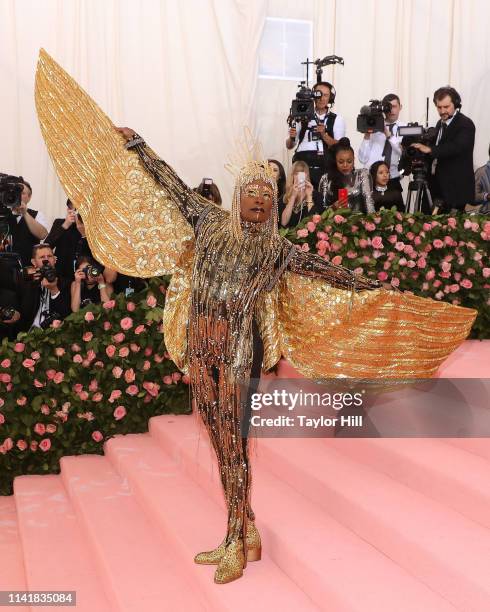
(239, 292)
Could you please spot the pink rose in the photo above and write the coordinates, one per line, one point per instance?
(107, 325)
(117, 371)
(5, 378)
(486, 272)
(75, 348)
(89, 316)
(108, 305)
(305, 247)
(337, 260)
(77, 358)
(139, 329)
(302, 233)
(399, 246)
(370, 226)
(130, 306)
(146, 365)
(5, 363)
(148, 351)
(438, 244)
(22, 400)
(34, 445)
(19, 347)
(363, 243)
(377, 242)
(50, 374)
(36, 355)
(395, 281)
(310, 226)
(439, 295)
(56, 324)
(50, 428)
(417, 240)
(97, 436)
(2, 419)
(28, 363)
(40, 429)
(351, 255)
(176, 376)
(322, 236)
(8, 444)
(132, 390)
(126, 323)
(97, 397)
(402, 261)
(90, 354)
(437, 283)
(45, 409)
(45, 444)
(151, 300)
(21, 445)
(430, 274)
(129, 375)
(445, 266)
(392, 238)
(93, 386)
(477, 257)
(151, 388)
(339, 219)
(158, 358)
(124, 351)
(83, 395)
(110, 350)
(118, 337)
(87, 336)
(316, 218)
(59, 351)
(59, 376)
(119, 413)
(452, 222)
(382, 276)
(421, 262)
(116, 394)
(167, 380)
(466, 283)
(38, 384)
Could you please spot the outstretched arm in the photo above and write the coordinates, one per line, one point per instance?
(189, 202)
(308, 264)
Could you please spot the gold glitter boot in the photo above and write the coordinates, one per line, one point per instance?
(232, 563)
(254, 549)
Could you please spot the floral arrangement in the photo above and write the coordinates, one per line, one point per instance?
(441, 257)
(102, 371)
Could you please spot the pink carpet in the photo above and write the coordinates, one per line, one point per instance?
(348, 525)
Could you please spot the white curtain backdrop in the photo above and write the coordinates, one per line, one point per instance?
(184, 74)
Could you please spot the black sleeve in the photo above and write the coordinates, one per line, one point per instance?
(55, 233)
(462, 141)
(62, 302)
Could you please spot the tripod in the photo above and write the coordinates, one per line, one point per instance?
(418, 194)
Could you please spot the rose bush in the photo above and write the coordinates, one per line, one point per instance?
(66, 390)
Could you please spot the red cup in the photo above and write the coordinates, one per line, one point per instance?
(342, 195)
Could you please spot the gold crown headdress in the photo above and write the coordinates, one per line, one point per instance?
(248, 164)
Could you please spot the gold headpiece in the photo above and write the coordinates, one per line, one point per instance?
(248, 164)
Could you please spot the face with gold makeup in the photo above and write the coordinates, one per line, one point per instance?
(256, 201)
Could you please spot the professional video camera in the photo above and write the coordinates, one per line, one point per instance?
(49, 318)
(10, 191)
(303, 106)
(6, 313)
(371, 117)
(413, 161)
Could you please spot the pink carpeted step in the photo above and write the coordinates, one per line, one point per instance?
(456, 478)
(190, 519)
(477, 446)
(56, 556)
(339, 570)
(12, 575)
(436, 544)
(138, 569)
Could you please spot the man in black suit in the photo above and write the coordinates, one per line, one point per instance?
(65, 238)
(43, 296)
(452, 183)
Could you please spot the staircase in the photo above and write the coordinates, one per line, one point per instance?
(348, 525)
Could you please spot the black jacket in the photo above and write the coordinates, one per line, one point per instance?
(454, 180)
(31, 298)
(65, 243)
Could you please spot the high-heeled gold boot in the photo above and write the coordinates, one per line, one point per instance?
(231, 564)
(254, 549)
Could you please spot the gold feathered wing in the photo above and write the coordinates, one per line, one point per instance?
(132, 223)
(380, 334)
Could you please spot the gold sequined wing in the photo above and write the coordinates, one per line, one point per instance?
(133, 224)
(383, 334)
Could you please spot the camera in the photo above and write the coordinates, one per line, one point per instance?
(92, 272)
(413, 161)
(47, 271)
(11, 188)
(6, 313)
(206, 187)
(371, 117)
(303, 106)
(49, 318)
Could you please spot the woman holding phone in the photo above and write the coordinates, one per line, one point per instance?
(300, 199)
(343, 186)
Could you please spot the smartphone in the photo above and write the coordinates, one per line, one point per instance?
(343, 195)
(301, 179)
(206, 187)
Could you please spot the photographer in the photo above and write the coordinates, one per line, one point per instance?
(452, 182)
(44, 294)
(89, 286)
(385, 146)
(27, 226)
(9, 300)
(313, 139)
(64, 238)
(209, 190)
